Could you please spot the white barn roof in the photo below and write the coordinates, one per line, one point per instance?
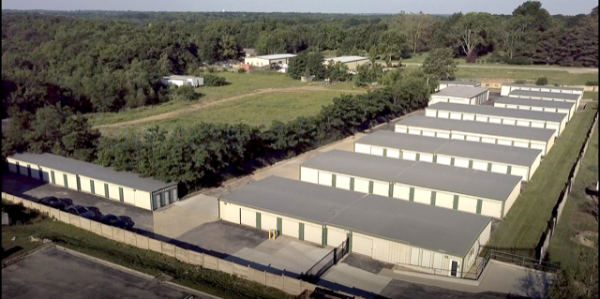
(276, 56)
(346, 59)
(460, 91)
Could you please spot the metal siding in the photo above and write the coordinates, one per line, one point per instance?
(342, 182)
(401, 191)
(230, 212)
(290, 227)
(467, 204)
(325, 178)
(478, 165)
(422, 196)
(376, 151)
(362, 244)
(442, 114)
(426, 157)
(313, 233)
(473, 138)
(445, 160)
(248, 217)
(335, 236)
(269, 221)
(361, 185)
(499, 168)
(408, 155)
(393, 153)
(381, 188)
(309, 175)
(444, 200)
(430, 112)
(460, 162)
(362, 148)
(443, 135)
(492, 209)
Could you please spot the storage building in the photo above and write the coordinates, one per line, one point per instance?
(183, 80)
(420, 237)
(497, 115)
(460, 95)
(281, 60)
(467, 190)
(502, 159)
(479, 132)
(508, 88)
(126, 187)
(567, 108)
(547, 96)
(445, 83)
(351, 61)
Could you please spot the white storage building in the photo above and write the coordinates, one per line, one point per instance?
(502, 159)
(547, 96)
(183, 80)
(567, 108)
(416, 236)
(497, 115)
(467, 190)
(460, 95)
(281, 60)
(445, 83)
(126, 187)
(351, 61)
(508, 88)
(478, 132)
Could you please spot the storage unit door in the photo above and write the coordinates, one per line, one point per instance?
(230, 212)
(393, 153)
(268, 221)
(430, 112)
(552, 126)
(467, 204)
(539, 124)
(313, 233)
(442, 114)
(495, 120)
(12, 166)
(422, 196)
(455, 115)
(290, 227)
(335, 236)
(401, 191)
(540, 146)
(426, 157)
(499, 168)
(481, 118)
(342, 182)
(309, 175)
(362, 148)
(72, 181)
(458, 136)
(511, 122)
(458, 101)
(443, 135)
(468, 116)
(23, 170)
(361, 185)
(445, 160)
(521, 144)
(376, 151)
(523, 123)
(504, 142)
(46, 175)
(537, 108)
(325, 179)
(488, 140)
(520, 171)
(492, 209)
(408, 155)
(460, 162)
(478, 165)
(362, 244)
(444, 200)
(381, 188)
(428, 133)
(473, 138)
(414, 131)
(248, 217)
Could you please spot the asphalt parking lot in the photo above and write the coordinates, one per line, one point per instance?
(52, 273)
(34, 189)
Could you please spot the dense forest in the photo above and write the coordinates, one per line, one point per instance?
(57, 66)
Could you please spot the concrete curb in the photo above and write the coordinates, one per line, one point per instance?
(14, 260)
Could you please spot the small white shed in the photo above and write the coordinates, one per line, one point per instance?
(460, 95)
(446, 83)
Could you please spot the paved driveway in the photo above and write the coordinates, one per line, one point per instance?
(34, 189)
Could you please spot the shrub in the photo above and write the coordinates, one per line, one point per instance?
(241, 71)
(211, 69)
(183, 93)
(518, 61)
(541, 81)
(520, 82)
(212, 80)
(591, 83)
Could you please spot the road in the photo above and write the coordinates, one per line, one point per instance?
(572, 70)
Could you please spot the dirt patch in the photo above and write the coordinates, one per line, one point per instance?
(585, 238)
(194, 107)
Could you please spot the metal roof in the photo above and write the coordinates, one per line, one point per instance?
(478, 128)
(464, 181)
(544, 86)
(276, 56)
(500, 112)
(552, 95)
(534, 103)
(425, 226)
(93, 171)
(346, 59)
(458, 148)
(179, 77)
(460, 91)
(460, 82)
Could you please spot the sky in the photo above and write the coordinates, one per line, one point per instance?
(565, 7)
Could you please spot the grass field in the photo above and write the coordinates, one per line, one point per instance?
(574, 218)
(590, 95)
(526, 220)
(554, 77)
(153, 263)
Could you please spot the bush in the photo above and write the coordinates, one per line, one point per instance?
(591, 83)
(542, 81)
(520, 82)
(241, 71)
(518, 61)
(183, 93)
(211, 69)
(212, 80)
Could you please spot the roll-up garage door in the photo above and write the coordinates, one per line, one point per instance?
(429, 133)
(422, 196)
(521, 144)
(230, 212)
(480, 118)
(430, 112)
(538, 124)
(401, 191)
(552, 126)
(342, 182)
(467, 204)
(393, 153)
(504, 142)
(361, 185)
(458, 136)
(426, 157)
(511, 122)
(519, 171)
(537, 108)
(499, 168)
(495, 120)
(538, 146)
(268, 221)
(478, 165)
(444, 160)
(488, 140)
(309, 175)
(407, 155)
(472, 138)
(313, 233)
(491, 208)
(442, 114)
(335, 236)
(35, 173)
(248, 217)
(414, 131)
(443, 135)
(457, 101)
(523, 123)
(325, 178)
(468, 117)
(455, 115)
(376, 151)
(444, 200)
(290, 227)
(460, 162)
(362, 148)
(381, 188)
(362, 244)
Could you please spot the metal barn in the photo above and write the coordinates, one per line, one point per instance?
(460, 95)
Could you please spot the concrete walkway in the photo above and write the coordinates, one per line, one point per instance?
(354, 277)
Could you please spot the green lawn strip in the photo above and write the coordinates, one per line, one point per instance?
(146, 261)
(590, 95)
(527, 218)
(574, 219)
(554, 77)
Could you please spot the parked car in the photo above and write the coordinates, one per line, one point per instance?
(66, 201)
(115, 221)
(80, 211)
(53, 202)
(98, 215)
(127, 221)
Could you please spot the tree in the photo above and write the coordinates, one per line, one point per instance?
(418, 29)
(338, 71)
(471, 31)
(440, 64)
(579, 281)
(391, 42)
(373, 54)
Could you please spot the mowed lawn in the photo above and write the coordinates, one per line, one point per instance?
(253, 110)
(240, 84)
(574, 218)
(593, 95)
(554, 77)
(526, 220)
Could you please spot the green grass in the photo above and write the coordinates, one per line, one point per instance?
(526, 220)
(240, 84)
(554, 77)
(590, 95)
(209, 281)
(574, 218)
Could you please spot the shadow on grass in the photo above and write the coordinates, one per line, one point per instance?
(10, 251)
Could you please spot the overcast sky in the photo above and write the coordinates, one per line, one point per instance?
(565, 7)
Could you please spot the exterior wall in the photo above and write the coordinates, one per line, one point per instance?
(445, 99)
(511, 199)
(255, 61)
(568, 112)
(535, 166)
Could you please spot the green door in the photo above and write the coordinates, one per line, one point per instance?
(279, 225)
(92, 187)
(121, 196)
(52, 177)
(106, 190)
(479, 204)
(301, 231)
(324, 236)
(66, 181)
(258, 220)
